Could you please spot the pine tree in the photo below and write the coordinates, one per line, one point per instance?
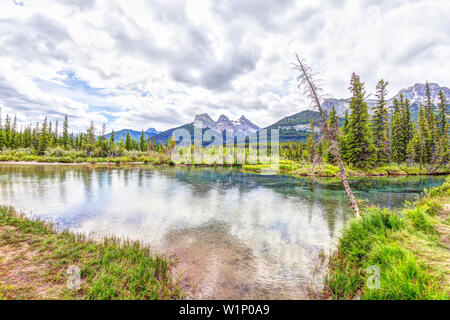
(413, 148)
(65, 136)
(396, 131)
(43, 138)
(442, 114)
(56, 134)
(2, 139)
(128, 141)
(430, 118)
(360, 150)
(102, 141)
(442, 153)
(380, 125)
(334, 129)
(342, 142)
(425, 137)
(403, 129)
(112, 143)
(90, 138)
(142, 145)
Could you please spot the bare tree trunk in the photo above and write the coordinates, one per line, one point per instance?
(306, 79)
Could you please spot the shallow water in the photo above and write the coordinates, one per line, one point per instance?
(234, 235)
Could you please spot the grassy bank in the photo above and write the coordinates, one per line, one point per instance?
(410, 248)
(298, 169)
(34, 259)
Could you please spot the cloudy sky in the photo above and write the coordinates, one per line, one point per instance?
(139, 64)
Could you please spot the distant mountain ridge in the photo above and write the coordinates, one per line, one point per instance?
(295, 127)
(119, 135)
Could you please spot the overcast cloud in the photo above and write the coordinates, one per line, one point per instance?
(139, 64)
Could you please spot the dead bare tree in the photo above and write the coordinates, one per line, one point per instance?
(306, 81)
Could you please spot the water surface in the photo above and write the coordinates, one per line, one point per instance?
(235, 235)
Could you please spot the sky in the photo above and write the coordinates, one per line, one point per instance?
(140, 64)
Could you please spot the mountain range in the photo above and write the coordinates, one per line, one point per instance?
(240, 127)
(415, 94)
(294, 127)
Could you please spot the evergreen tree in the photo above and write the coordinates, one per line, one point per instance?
(65, 136)
(402, 128)
(43, 138)
(56, 135)
(142, 145)
(2, 139)
(396, 131)
(380, 125)
(334, 129)
(425, 137)
(430, 118)
(90, 138)
(342, 142)
(441, 155)
(128, 145)
(360, 150)
(442, 114)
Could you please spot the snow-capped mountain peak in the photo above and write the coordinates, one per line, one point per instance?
(223, 123)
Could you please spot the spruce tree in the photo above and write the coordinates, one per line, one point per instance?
(342, 142)
(65, 136)
(112, 144)
(442, 114)
(425, 137)
(430, 118)
(142, 145)
(43, 138)
(404, 131)
(128, 145)
(2, 139)
(380, 125)
(334, 129)
(441, 154)
(360, 150)
(396, 130)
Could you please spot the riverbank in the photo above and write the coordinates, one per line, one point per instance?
(410, 249)
(286, 167)
(35, 259)
(296, 169)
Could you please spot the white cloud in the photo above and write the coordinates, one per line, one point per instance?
(140, 64)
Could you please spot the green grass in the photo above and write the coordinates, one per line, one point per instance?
(110, 269)
(295, 168)
(406, 246)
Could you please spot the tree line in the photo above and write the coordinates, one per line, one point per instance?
(365, 140)
(44, 136)
(385, 136)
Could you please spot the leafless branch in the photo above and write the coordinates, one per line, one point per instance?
(311, 90)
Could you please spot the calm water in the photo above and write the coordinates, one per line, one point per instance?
(235, 235)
